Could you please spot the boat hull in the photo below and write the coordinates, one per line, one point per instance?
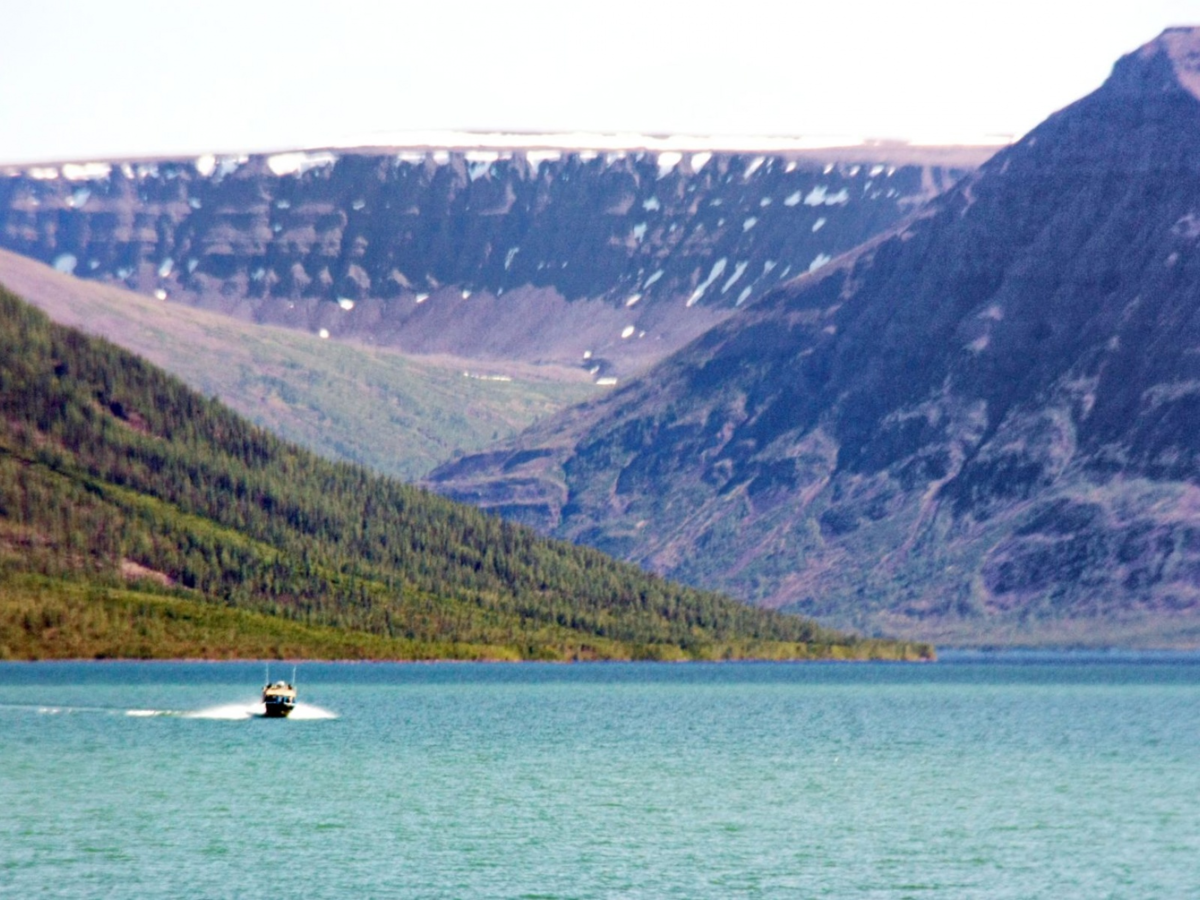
(277, 710)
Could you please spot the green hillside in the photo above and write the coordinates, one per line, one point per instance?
(399, 414)
(138, 518)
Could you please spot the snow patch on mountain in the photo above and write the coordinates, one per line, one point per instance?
(299, 162)
(718, 270)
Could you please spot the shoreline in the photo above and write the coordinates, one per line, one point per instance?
(944, 655)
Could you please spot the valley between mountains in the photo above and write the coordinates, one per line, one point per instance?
(400, 414)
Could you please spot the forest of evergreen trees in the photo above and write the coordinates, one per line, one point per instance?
(111, 468)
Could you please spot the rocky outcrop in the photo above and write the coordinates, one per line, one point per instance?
(984, 427)
(608, 260)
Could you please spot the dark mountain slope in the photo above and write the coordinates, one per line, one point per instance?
(985, 427)
(603, 260)
(111, 470)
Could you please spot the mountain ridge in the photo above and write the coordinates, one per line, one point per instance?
(976, 430)
(604, 260)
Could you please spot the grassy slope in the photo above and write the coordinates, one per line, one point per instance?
(51, 618)
(43, 618)
(109, 468)
(399, 414)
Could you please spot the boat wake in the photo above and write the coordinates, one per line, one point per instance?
(228, 712)
(54, 710)
(256, 710)
(231, 712)
(94, 710)
(308, 711)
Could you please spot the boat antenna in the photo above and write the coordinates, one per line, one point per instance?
(293, 676)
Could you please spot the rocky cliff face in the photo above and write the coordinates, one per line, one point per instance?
(984, 427)
(607, 260)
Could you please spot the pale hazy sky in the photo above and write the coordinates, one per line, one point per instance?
(94, 78)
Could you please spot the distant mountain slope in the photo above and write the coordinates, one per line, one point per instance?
(110, 470)
(398, 414)
(983, 428)
(605, 261)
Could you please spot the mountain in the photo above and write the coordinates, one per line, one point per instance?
(983, 427)
(138, 518)
(605, 261)
(400, 414)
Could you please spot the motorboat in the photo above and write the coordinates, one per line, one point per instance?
(279, 699)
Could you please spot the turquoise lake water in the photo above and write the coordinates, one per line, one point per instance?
(1023, 776)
